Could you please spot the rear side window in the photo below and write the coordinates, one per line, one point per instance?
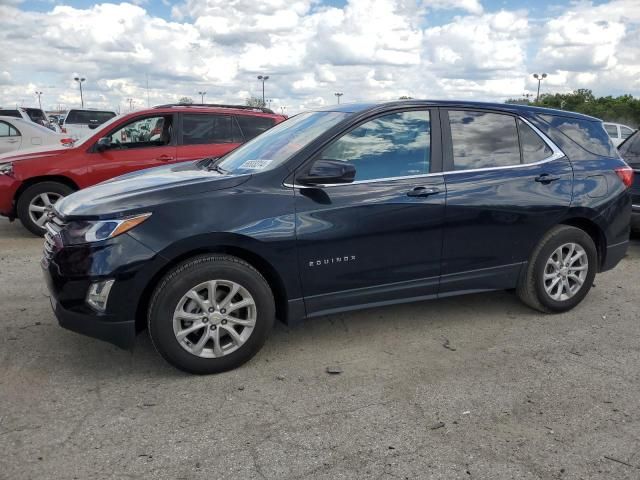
(395, 145)
(534, 149)
(625, 132)
(36, 115)
(631, 146)
(200, 129)
(589, 134)
(87, 117)
(483, 140)
(252, 126)
(10, 113)
(7, 130)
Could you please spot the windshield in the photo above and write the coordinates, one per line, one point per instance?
(103, 128)
(279, 143)
(88, 117)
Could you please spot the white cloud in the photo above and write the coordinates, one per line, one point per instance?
(368, 49)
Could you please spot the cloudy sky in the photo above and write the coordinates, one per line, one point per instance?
(367, 49)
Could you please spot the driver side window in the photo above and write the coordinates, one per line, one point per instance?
(394, 145)
(143, 133)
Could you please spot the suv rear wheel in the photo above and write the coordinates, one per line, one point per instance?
(34, 201)
(561, 270)
(211, 314)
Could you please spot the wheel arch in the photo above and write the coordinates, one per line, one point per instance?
(594, 231)
(43, 178)
(257, 261)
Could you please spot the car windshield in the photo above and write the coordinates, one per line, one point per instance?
(88, 117)
(278, 144)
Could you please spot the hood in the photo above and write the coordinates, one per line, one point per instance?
(36, 152)
(145, 189)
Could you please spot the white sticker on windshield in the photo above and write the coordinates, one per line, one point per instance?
(255, 164)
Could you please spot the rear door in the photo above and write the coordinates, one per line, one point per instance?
(377, 240)
(10, 138)
(207, 135)
(145, 142)
(506, 186)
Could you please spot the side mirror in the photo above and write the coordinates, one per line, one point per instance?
(328, 171)
(103, 144)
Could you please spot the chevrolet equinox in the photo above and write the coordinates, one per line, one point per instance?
(347, 207)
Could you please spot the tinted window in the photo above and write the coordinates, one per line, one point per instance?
(631, 146)
(612, 130)
(534, 149)
(146, 132)
(625, 132)
(10, 113)
(7, 130)
(253, 126)
(483, 140)
(394, 145)
(204, 129)
(88, 117)
(587, 133)
(36, 115)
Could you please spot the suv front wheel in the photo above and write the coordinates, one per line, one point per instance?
(561, 270)
(211, 314)
(34, 202)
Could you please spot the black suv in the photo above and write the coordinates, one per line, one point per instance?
(348, 207)
(630, 151)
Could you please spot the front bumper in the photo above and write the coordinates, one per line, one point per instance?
(69, 271)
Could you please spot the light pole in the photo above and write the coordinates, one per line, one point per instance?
(283, 110)
(202, 94)
(539, 78)
(130, 100)
(527, 96)
(338, 95)
(39, 102)
(80, 80)
(263, 78)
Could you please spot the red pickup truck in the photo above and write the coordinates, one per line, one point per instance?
(33, 180)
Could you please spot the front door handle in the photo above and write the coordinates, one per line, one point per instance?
(165, 158)
(423, 191)
(12, 140)
(546, 178)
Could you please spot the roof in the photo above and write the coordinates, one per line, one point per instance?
(507, 107)
(215, 106)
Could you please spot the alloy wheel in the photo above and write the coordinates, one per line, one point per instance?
(214, 318)
(39, 205)
(565, 271)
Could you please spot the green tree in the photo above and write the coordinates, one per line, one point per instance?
(254, 102)
(186, 100)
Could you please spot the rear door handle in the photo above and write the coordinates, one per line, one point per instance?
(546, 178)
(423, 191)
(165, 158)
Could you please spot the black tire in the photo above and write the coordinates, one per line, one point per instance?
(177, 282)
(531, 288)
(31, 193)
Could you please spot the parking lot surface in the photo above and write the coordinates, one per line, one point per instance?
(469, 387)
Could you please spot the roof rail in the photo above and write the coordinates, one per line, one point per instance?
(218, 105)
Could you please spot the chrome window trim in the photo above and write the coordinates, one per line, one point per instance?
(555, 155)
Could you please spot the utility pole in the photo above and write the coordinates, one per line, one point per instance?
(263, 78)
(202, 94)
(338, 95)
(80, 80)
(539, 78)
(39, 102)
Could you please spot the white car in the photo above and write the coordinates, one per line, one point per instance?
(618, 132)
(20, 134)
(36, 115)
(80, 122)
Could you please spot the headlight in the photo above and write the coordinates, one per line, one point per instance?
(6, 169)
(79, 232)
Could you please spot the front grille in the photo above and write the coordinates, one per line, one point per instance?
(52, 240)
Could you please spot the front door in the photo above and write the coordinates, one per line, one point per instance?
(377, 240)
(506, 186)
(142, 143)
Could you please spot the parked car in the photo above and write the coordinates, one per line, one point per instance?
(35, 115)
(33, 181)
(18, 134)
(630, 151)
(617, 132)
(79, 123)
(349, 207)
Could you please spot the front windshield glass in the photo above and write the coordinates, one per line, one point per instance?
(278, 144)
